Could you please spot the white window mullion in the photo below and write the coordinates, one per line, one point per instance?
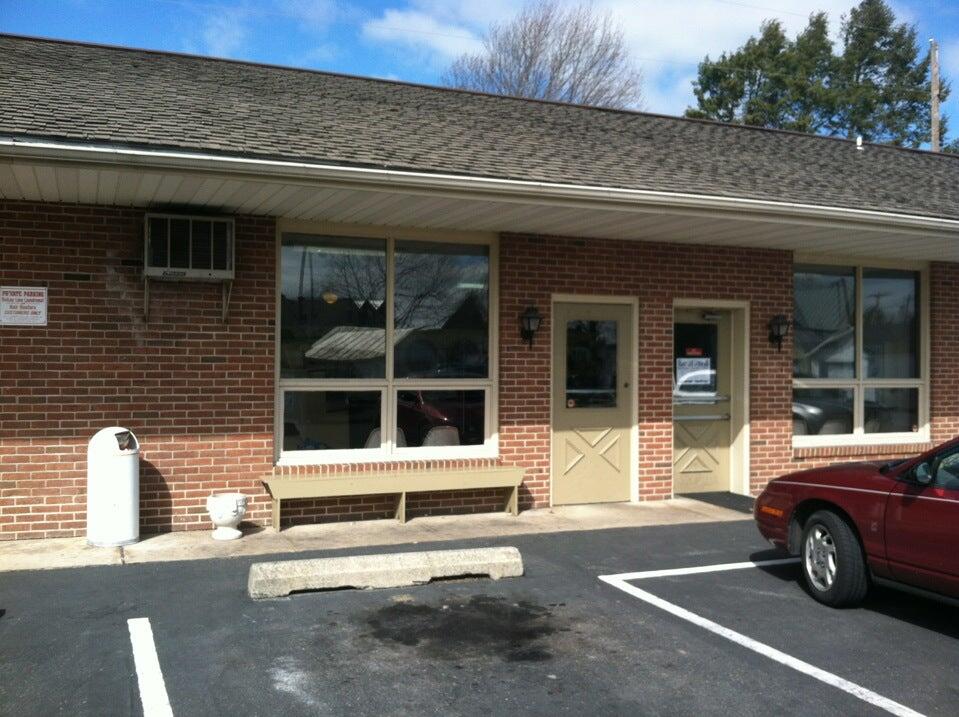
(858, 410)
(390, 410)
(859, 403)
(385, 418)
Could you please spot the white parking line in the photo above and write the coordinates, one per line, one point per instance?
(153, 694)
(700, 569)
(621, 582)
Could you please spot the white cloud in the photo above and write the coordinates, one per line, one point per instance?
(669, 93)
(949, 57)
(314, 14)
(224, 33)
(419, 30)
(685, 32)
(228, 31)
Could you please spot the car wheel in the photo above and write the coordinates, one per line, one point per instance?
(832, 561)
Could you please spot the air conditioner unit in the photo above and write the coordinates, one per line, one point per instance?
(179, 247)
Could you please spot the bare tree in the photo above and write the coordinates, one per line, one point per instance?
(553, 52)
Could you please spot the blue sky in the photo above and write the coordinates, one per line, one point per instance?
(416, 39)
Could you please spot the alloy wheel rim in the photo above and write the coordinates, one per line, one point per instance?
(820, 558)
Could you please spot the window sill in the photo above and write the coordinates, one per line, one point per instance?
(862, 448)
(400, 460)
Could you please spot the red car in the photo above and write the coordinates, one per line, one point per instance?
(861, 523)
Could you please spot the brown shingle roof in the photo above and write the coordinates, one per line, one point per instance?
(104, 95)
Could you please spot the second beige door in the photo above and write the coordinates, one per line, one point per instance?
(701, 401)
(592, 403)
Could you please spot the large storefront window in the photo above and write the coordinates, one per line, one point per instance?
(384, 348)
(857, 362)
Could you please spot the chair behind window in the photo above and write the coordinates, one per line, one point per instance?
(374, 439)
(442, 436)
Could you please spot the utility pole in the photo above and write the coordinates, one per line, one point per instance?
(934, 72)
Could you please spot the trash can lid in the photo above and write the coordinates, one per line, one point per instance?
(117, 439)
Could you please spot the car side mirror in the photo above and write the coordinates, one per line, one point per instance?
(923, 474)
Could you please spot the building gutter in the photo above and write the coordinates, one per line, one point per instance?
(467, 187)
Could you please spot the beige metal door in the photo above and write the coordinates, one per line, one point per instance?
(702, 378)
(592, 403)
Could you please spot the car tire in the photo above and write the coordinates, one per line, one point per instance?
(833, 563)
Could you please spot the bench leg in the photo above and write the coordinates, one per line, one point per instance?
(512, 502)
(276, 514)
(401, 508)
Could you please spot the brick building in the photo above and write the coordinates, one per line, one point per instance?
(716, 304)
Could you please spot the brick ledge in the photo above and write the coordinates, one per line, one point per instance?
(891, 449)
(390, 466)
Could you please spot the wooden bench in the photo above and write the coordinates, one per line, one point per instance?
(401, 482)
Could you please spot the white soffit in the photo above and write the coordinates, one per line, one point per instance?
(487, 206)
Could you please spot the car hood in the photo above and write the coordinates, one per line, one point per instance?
(866, 474)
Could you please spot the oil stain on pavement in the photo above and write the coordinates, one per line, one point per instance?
(460, 628)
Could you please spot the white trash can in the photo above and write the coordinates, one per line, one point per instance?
(113, 488)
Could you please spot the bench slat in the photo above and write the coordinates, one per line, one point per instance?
(380, 484)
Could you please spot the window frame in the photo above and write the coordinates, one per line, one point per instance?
(860, 383)
(388, 386)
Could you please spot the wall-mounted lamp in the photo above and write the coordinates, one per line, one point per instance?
(779, 330)
(529, 322)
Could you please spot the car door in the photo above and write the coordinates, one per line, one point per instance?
(922, 525)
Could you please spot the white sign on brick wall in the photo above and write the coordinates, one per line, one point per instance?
(23, 306)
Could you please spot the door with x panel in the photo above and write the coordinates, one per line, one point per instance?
(592, 403)
(701, 401)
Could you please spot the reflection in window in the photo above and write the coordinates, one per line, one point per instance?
(875, 378)
(334, 340)
(333, 309)
(441, 310)
(824, 322)
(330, 420)
(180, 243)
(440, 418)
(590, 364)
(892, 410)
(947, 475)
(890, 326)
(822, 411)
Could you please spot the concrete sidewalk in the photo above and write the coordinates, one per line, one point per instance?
(198, 545)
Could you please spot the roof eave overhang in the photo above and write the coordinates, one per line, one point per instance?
(468, 187)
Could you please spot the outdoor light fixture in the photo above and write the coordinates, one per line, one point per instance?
(529, 324)
(329, 297)
(779, 330)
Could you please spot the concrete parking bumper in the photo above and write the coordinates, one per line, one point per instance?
(280, 578)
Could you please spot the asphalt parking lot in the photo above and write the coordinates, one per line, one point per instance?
(557, 641)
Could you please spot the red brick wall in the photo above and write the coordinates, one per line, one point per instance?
(197, 392)
(944, 354)
(533, 268)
